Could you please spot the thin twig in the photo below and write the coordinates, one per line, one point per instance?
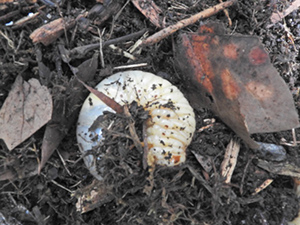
(130, 66)
(82, 50)
(63, 162)
(277, 16)
(227, 15)
(101, 48)
(122, 52)
(263, 186)
(183, 23)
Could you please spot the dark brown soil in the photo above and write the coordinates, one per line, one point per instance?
(183, 195)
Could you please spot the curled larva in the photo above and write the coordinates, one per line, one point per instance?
(169, 129)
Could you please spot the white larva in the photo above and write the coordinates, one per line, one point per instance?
(169, 129)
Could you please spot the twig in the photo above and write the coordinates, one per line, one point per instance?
(82, 50)
(244, 175)
(132, 130)
(294, 143)
(101, 48)
(263, 186)
(227, 15)
(63, 162)
(130, 66)
(183, 23)
(277, 16)
(59, 185)
(122, 52)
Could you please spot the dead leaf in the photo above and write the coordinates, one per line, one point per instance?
(106, 99)
(64, 115)
(232, 75)
(205, 161)
(26, 109)
(102, 12)
(150, 10)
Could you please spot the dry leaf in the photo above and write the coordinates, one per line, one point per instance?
(26, 109)
(232, 75)
(64, 116)
(106, 99)
(150, 11)
(205, 161)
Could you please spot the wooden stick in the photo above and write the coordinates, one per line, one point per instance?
(277, 16)
(227, 15)
(183, 23)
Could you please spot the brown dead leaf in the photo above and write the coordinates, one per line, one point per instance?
(233, 76)
(150, 10)
(64, 115)
(26, 109)
(205, 161)
(107, 100)
(102, 12)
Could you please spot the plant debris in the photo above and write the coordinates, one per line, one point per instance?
(232, 75)
(27, 108)
(277, 16)
(194, 193)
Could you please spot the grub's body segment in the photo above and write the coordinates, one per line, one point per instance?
(170, 126)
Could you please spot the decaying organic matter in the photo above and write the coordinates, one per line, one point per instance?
(27, 108)
(232, 75)
(191, 193)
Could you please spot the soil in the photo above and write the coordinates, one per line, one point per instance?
(187, 194)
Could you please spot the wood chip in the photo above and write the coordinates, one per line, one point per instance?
(230, 159)
(263, 186)
(92, 196)
(51, 31)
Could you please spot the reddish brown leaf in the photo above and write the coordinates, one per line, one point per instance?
(232, 75)
(27, 108)
(104, 98)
